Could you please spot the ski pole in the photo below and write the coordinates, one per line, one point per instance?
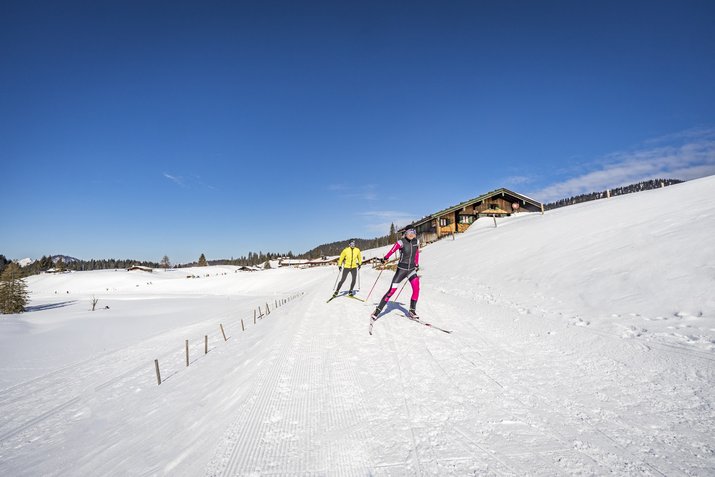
(403, 286)
(336, 279)
(373, 286)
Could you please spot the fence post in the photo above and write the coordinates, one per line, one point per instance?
(254, 316)
(268, 310)
(223, 332)
(158, 374)
(206, 344)
(242, 327)
(187, 352)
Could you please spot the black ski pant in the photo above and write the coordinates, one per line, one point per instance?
(353, 272)
(400, 275)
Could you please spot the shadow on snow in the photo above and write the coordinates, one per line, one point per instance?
(49, 306)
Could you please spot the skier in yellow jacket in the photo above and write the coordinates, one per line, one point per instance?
(352, 258)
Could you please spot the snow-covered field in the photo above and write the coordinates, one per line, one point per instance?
(583, 344)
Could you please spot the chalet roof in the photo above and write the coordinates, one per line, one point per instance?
(469, 202)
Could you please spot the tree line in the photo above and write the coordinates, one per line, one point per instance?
(251, 260)
(335, 248)
(326, 249)
(629, 189)
(59, 264)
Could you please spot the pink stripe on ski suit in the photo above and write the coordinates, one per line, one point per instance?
(414, 281)
(398, 246)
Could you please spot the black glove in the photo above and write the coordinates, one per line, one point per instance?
(340, 268)
(359, 265)
(417, 268)
(383, 260)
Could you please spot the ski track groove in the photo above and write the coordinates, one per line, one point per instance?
(466, 434)
(566, 440)
(523, 405)
(501, 460)
(419, 371)
(280, 425)
(247, 449)
(462, 392)
(33, 393)
(138, 370)
(436, 336)
(408, 411)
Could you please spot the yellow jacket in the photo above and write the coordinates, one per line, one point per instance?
(351, 256)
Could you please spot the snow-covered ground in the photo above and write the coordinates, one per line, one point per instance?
(583, 344)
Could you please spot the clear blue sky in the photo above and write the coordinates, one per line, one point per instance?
(140, 128)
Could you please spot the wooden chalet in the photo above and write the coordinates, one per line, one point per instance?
(458, 218)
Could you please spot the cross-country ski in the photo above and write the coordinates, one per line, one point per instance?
(422, 322)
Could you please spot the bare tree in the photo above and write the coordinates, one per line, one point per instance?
(94, 302)
(165, 263)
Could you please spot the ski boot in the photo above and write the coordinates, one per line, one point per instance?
(412, 314)
(373, 318)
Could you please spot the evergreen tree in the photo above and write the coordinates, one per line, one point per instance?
(60, 264)
(46, 263)
(165, 263)
(13, 290)
(393, 233)
(3, 262)
(202, 261)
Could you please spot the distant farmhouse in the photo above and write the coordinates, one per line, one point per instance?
(458, 218)
(304, 263)
(140, 268)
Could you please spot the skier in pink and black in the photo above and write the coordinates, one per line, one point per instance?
(407, 267)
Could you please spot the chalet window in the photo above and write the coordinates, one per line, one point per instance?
(493, 206)
(443, 222)
(466, 219)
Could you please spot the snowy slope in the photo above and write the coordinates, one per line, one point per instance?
(642, 263)
(583, 344)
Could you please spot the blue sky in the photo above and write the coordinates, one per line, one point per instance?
(139, 129)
